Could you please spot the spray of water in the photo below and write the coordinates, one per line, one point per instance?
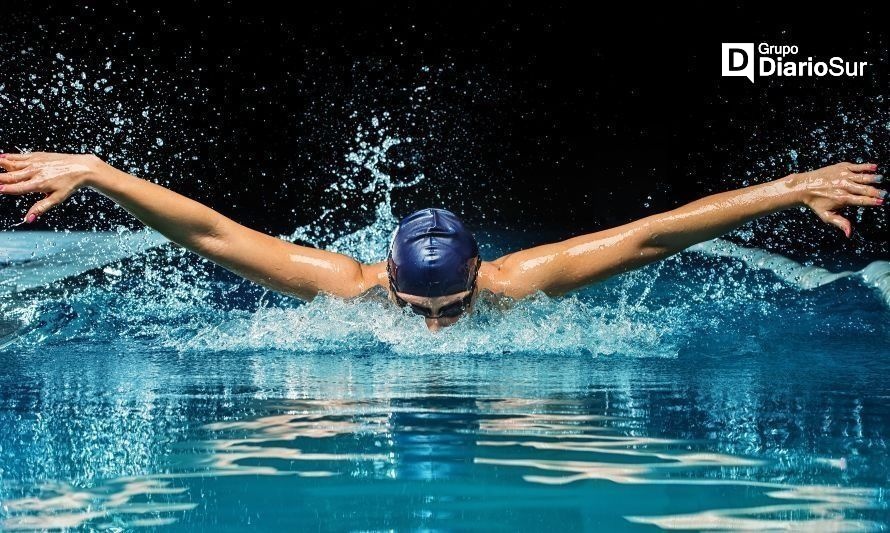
(371, 153)
(169, 297)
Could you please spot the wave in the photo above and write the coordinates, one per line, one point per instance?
(875, 275)
(31, 260)
(300, 443)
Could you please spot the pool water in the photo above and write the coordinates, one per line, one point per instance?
(725, 388)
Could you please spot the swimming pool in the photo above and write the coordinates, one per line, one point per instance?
(149, 388)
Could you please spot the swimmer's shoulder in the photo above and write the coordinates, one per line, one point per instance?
(503, 283)
(374, 278)
(491, 278)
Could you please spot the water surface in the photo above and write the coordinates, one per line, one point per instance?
(711, 391)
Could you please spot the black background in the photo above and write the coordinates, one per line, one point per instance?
(562, 116)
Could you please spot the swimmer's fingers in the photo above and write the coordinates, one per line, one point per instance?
(22, 187)
(830, 217)
(864, 178)
(20, 157)
(17, 189)
(864, 190)
(11, 162)
(860, 167)
(18, 175)
(9, 165)
(43, 206)
(853, 199)
(31, 156)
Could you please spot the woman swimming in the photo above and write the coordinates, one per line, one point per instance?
(433, 264)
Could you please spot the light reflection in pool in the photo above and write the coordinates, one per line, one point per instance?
(446, 440)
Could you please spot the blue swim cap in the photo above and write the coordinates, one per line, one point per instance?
(432, 254)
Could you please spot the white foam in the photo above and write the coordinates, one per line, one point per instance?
(876, 274)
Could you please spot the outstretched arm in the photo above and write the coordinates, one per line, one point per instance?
(561, 267)
(274, 263)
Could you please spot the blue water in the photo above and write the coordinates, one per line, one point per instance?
(724, 388)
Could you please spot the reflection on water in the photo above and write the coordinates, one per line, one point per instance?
(61, 506)
(446, 449)
(820, 509)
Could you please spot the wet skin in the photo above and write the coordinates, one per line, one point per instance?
(553, 269)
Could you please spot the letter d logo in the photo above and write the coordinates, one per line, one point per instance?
(738, 60)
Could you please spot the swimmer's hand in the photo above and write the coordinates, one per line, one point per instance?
(830, 189)
(56, 176)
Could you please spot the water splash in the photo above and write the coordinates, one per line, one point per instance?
(171, 299)
(365, 179)
(100, 110)
(876, 274)
(847, 132)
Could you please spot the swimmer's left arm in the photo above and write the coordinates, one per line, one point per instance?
(564, 266)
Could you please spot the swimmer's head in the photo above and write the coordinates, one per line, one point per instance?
(433, 259)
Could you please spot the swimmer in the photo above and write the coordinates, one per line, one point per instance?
(433, 265)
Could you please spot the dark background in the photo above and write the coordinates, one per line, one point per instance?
(561, 117)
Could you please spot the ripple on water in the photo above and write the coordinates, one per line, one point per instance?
(396, 447)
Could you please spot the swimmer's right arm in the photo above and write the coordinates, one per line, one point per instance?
(279, 265)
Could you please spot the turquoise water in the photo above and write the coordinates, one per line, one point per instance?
(725, 388)
(142, 388)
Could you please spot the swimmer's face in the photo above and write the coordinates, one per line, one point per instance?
(439, 311)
